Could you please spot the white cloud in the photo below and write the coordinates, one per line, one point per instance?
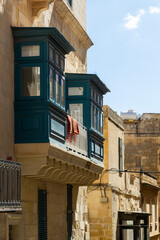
(153, 10)
(133, 21)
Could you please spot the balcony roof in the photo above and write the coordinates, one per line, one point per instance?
(90, 77)
(52, 33)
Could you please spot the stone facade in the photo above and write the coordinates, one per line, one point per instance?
(71, 22)
(142, 144)
(119, 192)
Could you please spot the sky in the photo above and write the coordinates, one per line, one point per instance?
(126, 52)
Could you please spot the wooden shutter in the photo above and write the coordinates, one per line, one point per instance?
(120, 148)
(42, 215)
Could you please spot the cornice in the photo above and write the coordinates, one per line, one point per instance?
(67, 14)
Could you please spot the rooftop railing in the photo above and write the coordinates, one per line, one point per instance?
(10, 185)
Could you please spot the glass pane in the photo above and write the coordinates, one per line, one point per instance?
(98, 99)
(97, 149)
(127, 234)
(76, 111)
(30, 81)
(57, 127)
(101, 123)
(62, 92)
(62, 63)
(51, 83)
(95, 96)
(75, 91)
(30, 51)
(51, 53)
(91, 93)
(57, 58)
(98, 121)
(92, 115)
(92, 146)
(101, 151)
(57, 87)
(142, 221)
(127, 222)
(142, 234)
(95, 118)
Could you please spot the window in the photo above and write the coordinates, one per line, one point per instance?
(57, 79)
(57, 87)
(76, 111)
(51, 53)
(75, 91)
(42, 214)
(51, 83)
(30, 81)
(30, 51)
(62, 92)
(70, 2)
(120, 150)
(92, 116)
(95, 118)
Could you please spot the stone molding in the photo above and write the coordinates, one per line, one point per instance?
(51, 163)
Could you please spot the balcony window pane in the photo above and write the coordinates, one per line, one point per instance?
(30, 51)
(92, 116)
(62, 63)
(57, 58)
(57, 87)
(98, 120)
(30, 81)
(92, 93)
(95, 118)
(51, 53)
(76, 111)
(97, 149)
(101, 123)
(62, 91)
(92, 146)
(75, 91)
(95, 96)
(51, 83)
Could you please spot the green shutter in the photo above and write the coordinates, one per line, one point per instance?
(42, 215)
(120, 148)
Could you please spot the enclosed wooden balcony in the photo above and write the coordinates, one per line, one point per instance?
(10, 186)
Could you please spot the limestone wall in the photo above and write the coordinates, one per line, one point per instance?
(81, 228)
(56, 209)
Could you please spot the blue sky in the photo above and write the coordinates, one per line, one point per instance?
(126, 52)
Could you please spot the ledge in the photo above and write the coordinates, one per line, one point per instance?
(51, 163)
(66, 13)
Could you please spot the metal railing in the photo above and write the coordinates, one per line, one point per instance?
(10, 184)
(79, 142)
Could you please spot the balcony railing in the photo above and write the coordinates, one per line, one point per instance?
(10, 185)
(79, 143)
